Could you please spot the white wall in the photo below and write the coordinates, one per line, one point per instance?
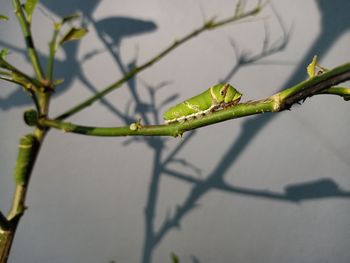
(272, 188)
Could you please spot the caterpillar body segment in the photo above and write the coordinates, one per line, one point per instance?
(213, 99)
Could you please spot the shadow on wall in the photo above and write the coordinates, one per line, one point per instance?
(111, 31)
(323, 188)
(334, 23)
(114, 29)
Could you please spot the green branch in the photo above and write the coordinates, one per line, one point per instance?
(15, 75)
(9, 79)
(5, 73)
(275, 103)
(20, 78)
(316, 85)
(28, 149)
(339, 91)
(52, 49)
(208, 25)
(25, 26)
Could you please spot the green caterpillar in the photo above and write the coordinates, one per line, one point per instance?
(27, 146)
(213, 99)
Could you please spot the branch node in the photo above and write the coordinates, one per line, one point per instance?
(4, 223)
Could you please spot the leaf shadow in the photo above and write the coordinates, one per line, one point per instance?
(112, 30)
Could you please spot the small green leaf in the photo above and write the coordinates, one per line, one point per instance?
(73, 34)
(174, 258)
(4, 18)
(69, 18)
(3, 53)
(31, 117)
(58, 82)
(29, 7)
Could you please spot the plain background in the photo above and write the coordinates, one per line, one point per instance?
(269, 188)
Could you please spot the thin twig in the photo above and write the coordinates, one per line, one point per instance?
(25, 26)
(6, 65)
(339, 91)
(278, 102)
(208, 25)
(52, 49)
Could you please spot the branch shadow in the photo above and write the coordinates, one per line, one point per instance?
(111, 29)
(149, 111)
(69, 67)
(294, 194)
(334, 24)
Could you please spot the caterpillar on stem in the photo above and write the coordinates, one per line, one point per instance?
(213, 99)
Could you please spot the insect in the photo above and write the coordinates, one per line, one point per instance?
(213, 99)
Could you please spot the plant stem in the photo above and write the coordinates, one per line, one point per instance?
(29, 145)
(339, 91)
(315, 85)
(176, 129)
(15, 71)
(6, 238)
(52, 49)
(208, 25)
(28, 150)
(25, 26)
(275, 103)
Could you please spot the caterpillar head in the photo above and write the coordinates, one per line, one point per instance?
(225, 93)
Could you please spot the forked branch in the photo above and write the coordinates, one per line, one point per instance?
(321, 84)
(207, 25)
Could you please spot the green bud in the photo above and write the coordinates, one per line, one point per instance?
(31, 117)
